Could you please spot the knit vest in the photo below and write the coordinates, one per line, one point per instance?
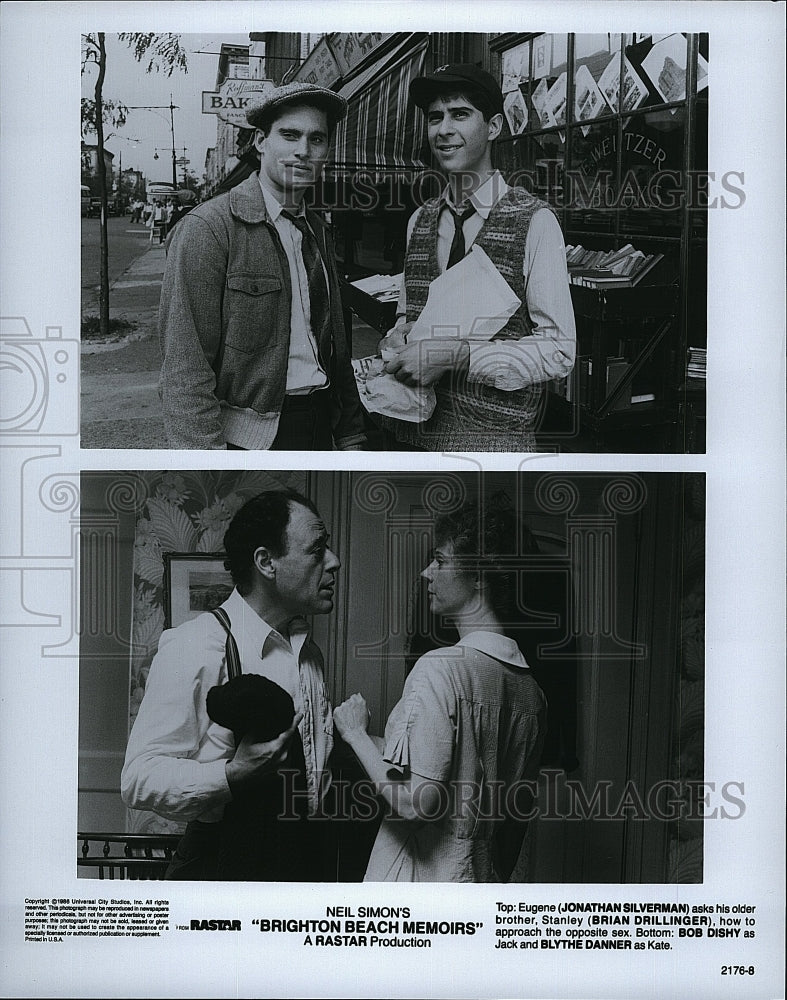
(471, 416)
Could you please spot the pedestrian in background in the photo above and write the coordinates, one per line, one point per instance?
(186, 201)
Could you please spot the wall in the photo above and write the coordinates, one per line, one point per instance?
(618, 539)
(107, 530)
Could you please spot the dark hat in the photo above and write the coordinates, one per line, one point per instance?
(462, 76)
(273, 100)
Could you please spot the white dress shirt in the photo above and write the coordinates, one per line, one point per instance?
(176, 757)
(304, 372)
(550, 351)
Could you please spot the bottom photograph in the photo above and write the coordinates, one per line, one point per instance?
(320, 676)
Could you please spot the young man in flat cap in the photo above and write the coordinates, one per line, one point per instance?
(251, 327)
(488, 393)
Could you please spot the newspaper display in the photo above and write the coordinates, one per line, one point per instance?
(62, 935)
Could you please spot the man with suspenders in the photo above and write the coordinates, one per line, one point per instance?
(181, 765)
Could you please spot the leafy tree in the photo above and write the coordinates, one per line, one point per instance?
(164, 53)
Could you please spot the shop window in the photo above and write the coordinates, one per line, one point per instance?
(516, 87)
(535, 83)
(592, 193)
(596, 76)
(651, 183)
(660, 61)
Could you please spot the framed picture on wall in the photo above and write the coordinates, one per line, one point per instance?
(194, 582)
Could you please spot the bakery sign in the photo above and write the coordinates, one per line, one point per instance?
(234, 99)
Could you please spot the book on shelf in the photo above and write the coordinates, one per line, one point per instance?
(623, 268)
(696, 364)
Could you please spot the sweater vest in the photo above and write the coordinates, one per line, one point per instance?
(471, 416)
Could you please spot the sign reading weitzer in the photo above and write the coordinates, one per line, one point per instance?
(234, 99)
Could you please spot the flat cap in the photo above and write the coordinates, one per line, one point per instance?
(272, 101)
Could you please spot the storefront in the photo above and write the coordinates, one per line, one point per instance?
(611, 131)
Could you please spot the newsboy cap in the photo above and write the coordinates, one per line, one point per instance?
(272, 101)
(461, 76)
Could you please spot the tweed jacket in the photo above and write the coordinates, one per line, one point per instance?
(224, 326)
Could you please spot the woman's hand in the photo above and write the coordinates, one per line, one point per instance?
(351, 717)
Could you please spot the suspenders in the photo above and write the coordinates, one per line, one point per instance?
(231, 648)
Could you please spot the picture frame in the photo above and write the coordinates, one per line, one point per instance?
(194, 582)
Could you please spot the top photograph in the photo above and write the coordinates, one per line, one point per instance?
(409, 241)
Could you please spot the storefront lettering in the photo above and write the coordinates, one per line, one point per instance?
(633, 142)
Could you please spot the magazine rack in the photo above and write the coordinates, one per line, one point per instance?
(602, 402)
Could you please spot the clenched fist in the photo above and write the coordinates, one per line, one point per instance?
(351, 717)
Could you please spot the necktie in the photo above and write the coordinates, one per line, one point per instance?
(458, 243)
(318, 289)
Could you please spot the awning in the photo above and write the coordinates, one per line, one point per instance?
(383, 132)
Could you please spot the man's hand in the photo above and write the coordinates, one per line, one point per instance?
(394, 339)
(253, 759)
(426, 361)
(351, 717)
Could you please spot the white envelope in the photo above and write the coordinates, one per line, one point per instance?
(470, 301)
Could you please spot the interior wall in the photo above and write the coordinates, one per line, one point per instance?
(623, 556)
(107, 523)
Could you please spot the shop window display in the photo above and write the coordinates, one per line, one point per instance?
(616, 142)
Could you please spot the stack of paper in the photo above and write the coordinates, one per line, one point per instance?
(470, 301)
(383, 287)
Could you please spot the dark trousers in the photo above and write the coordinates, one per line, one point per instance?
(304, 424)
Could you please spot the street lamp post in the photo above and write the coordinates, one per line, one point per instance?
(172, 108)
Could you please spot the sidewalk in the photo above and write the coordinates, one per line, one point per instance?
(120, 403)
(123, 378)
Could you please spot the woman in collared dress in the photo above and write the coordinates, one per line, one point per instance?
(462, 747)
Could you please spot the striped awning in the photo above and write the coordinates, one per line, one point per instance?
(383, 132)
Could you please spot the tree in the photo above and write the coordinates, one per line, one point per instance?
(164, 53)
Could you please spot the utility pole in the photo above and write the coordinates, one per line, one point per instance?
(172, 129)
(172, 109)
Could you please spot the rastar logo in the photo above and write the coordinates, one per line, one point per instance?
(215, 925)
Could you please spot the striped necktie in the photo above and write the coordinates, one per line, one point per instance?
(458, 243)
(319, 303)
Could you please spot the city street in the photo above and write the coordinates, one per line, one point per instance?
(119, 400)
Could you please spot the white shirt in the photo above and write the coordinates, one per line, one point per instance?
(304, 372)
(550, 351)
(176, 757)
